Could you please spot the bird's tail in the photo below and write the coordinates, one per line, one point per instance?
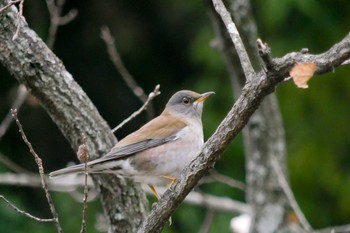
(68, 170)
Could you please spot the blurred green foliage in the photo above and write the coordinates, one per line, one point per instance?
(168, 42)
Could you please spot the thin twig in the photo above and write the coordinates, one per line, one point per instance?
(22, 94)
(119, 65)
(290, 196)
(22, 212)
(19, 19)
(151, 96)
(226, 180)
(208, 221)
(83, 156)
(38, 161)
(9, 4)
(236, 39)
(72, 183)
(56, 20)
(335, 229)
(12, 165)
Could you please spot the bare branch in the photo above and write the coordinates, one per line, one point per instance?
(19, 19)
(207, 222)
(56, 20)
(218, 177)
(25, 213)
(151, 96)
(11, 3)
(12, 165)
(335, 229)
(287, 190)
(38, 161)
(71, 183)
(123, 71)
(251, 96)
(236, 39)
(83, 156)
(347, 62)
(54, 87)
(22, 94)
(326, 62)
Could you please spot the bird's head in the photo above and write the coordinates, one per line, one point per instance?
(187, 104)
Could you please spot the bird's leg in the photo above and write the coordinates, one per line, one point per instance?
(172, 181)
(154, 191)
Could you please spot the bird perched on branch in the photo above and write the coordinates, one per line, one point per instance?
(158, 151)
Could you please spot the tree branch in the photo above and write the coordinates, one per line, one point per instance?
(39, 163)
(251, 96)
(123, 71)
(33, 64)
(72, 183)
(151, 96)
(264, 134)
(25, 213)
(287, 190)
(236, 39)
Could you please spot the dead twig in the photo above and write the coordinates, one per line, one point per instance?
(123, 71)
(215, 176)
(22, 94)
(12, 165)
(22, 212)
(83, 156)
(56, 20)
(208, 221)
(11, 3)
(19, 19)
(290, 196)
(151, 96)
(38, 161)
(236, 39)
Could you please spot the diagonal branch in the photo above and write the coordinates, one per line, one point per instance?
(39, 163)
(236, 39)
(251, 96)
(123, 71)
(33, 64)
(25, 213)
(151, 96)
(287, 190)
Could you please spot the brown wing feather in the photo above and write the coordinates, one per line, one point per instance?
(156, 132)
(160, 127)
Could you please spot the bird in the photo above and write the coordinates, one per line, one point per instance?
(156, 153)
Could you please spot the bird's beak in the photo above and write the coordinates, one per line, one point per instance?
(204, 96)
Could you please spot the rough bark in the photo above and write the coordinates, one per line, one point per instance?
(264, 133)
(31, 62)
(249, 100)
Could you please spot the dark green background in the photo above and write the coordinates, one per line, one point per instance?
(168, 43)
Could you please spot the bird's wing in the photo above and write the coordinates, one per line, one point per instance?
(160, 130)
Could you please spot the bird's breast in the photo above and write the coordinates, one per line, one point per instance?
(169, 158)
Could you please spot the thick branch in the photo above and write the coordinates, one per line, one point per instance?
(33, 64)
(264, 134)
(251, 96)
(326, 62)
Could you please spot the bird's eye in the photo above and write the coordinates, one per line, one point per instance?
(186, 101)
